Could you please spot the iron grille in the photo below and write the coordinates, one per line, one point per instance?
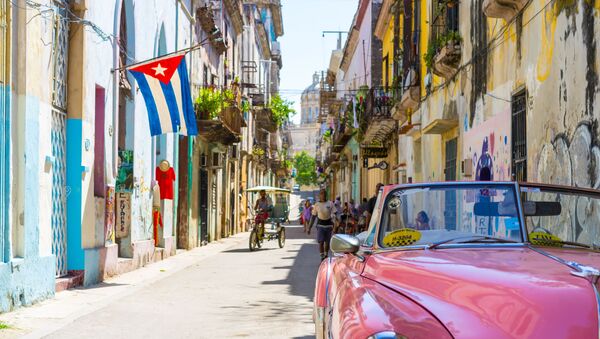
(58, 135)
(519, 136)
(60, 52)
(450, 175)
(4, 60)
(59, 215)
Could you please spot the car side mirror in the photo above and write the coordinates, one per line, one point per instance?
(343, 243)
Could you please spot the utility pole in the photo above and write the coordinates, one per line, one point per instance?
(339, 33)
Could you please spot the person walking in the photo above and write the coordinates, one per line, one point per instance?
(324, 211)
(306, 215)
(372, 202)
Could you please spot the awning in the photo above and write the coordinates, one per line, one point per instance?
(268, 189)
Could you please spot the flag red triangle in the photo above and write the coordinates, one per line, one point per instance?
(161, 69)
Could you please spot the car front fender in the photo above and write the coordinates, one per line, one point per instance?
(363, 307)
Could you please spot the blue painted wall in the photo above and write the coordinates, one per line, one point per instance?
(4, 171)
(24, 281)
(75, 253)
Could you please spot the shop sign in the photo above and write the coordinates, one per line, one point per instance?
(374, 152)
(123, 214)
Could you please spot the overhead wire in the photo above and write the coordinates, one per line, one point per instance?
(492, 45)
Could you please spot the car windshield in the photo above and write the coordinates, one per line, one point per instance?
(432, 215)
(557, 217)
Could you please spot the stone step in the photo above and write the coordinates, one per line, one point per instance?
(72, 280)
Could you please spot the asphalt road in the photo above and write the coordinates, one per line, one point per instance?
(231, 294)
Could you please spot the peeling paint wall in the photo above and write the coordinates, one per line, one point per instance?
(551, 51)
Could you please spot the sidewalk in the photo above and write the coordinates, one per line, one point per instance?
(48, 316)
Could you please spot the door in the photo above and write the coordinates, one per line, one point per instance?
(58, 138)
(519, 136)
(203, 206)
(59, 181)
(450, 175)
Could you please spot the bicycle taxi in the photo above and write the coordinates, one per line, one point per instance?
(278, 214)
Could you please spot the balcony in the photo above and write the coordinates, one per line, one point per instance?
(341, 136)
(224, 129)
(412, 127)
(504, 9)
(274, 141)
(441, 124)
(206, 18)
(328, 101)
(264, 119)
(378, 116)
(411, 96)
(447, 60)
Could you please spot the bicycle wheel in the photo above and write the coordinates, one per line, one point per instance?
(281, 237)
(253, 241)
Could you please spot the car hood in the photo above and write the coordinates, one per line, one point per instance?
(494, 292)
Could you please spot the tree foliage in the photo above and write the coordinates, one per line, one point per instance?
(282, 109)
(305, 169)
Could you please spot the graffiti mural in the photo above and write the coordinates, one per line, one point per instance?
(573, 161)
(109, 217)
(125, 175)
(488, 146)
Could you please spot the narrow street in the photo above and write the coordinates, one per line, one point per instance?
(232, 293)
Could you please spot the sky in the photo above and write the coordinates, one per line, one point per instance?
(303, 47)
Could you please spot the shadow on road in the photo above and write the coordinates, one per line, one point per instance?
(301, 277)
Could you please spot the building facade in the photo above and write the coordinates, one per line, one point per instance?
(79, 168)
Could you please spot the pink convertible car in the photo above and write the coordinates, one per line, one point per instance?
(466, 260)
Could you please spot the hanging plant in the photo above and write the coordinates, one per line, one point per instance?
(434, 47)
(245, 106)
(281, 109)
(210, 101)
(258, 151)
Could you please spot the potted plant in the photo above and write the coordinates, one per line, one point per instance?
(210, 102)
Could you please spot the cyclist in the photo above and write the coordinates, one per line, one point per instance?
(262, 207)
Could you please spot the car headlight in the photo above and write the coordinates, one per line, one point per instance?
(387, 335)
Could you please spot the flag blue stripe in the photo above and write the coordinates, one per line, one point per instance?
(153, 119)
(186, 96)
(172, 104)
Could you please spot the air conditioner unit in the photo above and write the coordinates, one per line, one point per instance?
(217, 160)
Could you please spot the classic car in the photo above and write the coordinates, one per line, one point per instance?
(466, 260)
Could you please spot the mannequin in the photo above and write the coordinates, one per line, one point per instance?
(156, 215)
(165, 175)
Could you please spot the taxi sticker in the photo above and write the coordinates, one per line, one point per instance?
(402, 237)
(545, 239)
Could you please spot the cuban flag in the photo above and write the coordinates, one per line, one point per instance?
(165, 86)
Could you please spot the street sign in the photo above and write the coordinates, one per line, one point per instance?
(374, 152)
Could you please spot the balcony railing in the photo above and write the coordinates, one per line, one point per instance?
(225, 129)
(378, 116)
(379, 104)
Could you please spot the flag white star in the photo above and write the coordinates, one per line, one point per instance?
(159, 70)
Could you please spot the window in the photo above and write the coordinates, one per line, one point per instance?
(519, 136)
(205, 76)
(450, 175)
(445, 18)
